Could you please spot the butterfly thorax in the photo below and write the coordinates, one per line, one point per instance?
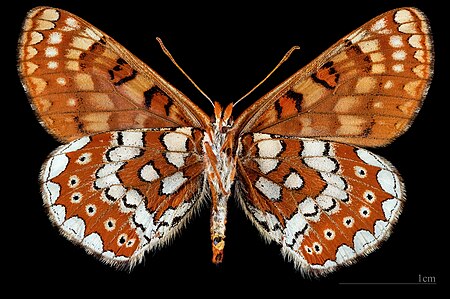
(220, 170)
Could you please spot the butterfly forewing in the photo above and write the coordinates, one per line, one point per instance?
(365, 90)
(81, 81)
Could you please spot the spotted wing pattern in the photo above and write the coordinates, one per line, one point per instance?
(121, 193)
(325, 203)
(326, 200)
(365, 90)
(80, 81)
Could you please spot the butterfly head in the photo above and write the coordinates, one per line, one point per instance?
(222, 119)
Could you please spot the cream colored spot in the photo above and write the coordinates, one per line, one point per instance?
(96, 122)
(420, 55)
(420, 71)
(408, 28)
(61, 81)
(369, 46)
(378, 68)
(72, 65)
(82, 42)
(44, 25)
(399, 55)
(403, 16)
(340, 57)
(396, 41)
(407, 108)
(92, 34)
(365, 84)
(380, 24)
(72, 22)
(39, 85)
(110, 224)
(415, 41)
(356, 36)
(385, 31)
(351, 125)
(398, 68)
(30, 52)
(55, 38)
(378, 105)
(99, 101)
(73, 54)
(44, 104)
(412, 87)
(84, 81)
(71, 102)
(51, 52)
(30, 67)
(388, 85)
(50, 14)
(346, 104)
(377, 57)
(52, 65)
(312, 89)
(36, 37)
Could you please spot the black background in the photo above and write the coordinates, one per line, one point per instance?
(226, 47)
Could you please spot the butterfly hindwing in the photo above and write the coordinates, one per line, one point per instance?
(325, 203)
(121, 193)
(365, 90)
(80, 81)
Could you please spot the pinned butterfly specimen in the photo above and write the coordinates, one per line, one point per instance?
(138, 157)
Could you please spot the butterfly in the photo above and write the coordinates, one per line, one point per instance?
(139, 158)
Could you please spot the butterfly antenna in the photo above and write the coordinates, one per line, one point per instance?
(179, 67)
(285, 57)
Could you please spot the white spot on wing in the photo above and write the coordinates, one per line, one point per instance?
(55, 38)
(371, 158)
(389, 182)
(363, 240)
(75, 227)
(51, 52)
(123, 153)
(321, 163)
(59, 213)
(172, 183)
(344, 253)
(293, 181)
(148, 173)
(131, 138)
(266, 165)
(269, 148)
(75, 145)
(54, 167)
(271, 190)
(176, 158)
(380, 228)
(296, 224)
(93, 242)
(51, 191)
(175, 142)
(396, 41)
(313, 148)
(108, 169)
(390, 208)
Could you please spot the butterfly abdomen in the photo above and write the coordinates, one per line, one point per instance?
(220, 171)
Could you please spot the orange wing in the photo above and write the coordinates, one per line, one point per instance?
(80, 81)
(365, 90)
